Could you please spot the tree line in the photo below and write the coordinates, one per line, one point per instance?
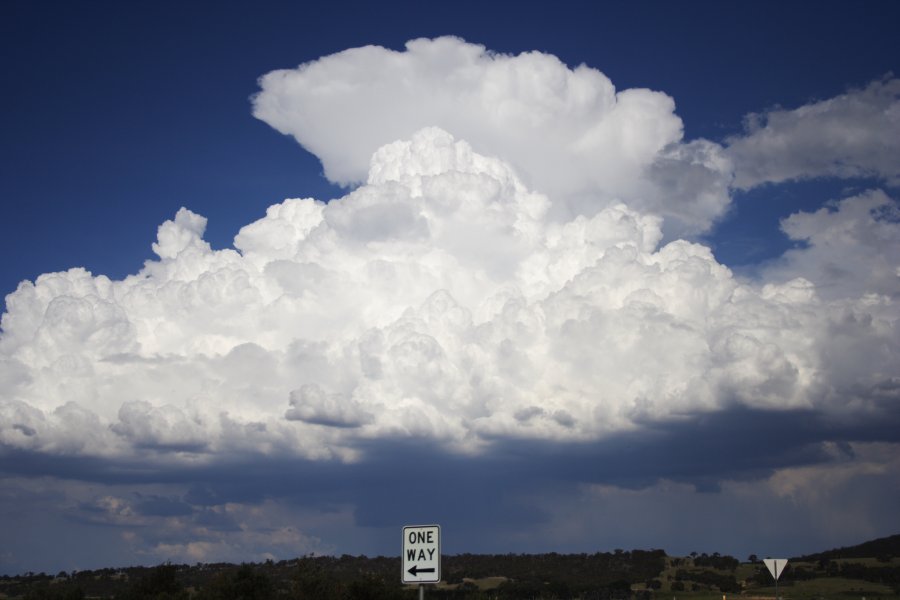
(618, 575)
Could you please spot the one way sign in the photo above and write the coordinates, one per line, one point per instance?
(421, 560)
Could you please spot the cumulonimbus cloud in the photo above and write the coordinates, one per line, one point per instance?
(502, 298)
(440, 300)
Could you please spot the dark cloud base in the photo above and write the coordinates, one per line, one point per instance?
(415, 480)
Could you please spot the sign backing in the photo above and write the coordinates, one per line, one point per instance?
(776, 566)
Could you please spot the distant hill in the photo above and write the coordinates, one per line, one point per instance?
(882, 547)
(869, 570)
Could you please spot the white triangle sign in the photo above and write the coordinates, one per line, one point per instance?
(776, 566)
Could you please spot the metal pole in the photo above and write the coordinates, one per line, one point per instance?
(776, 579)
(422, 591)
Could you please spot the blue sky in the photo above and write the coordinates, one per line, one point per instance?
(619, 338)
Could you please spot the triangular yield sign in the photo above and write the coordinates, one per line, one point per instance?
(776, 566)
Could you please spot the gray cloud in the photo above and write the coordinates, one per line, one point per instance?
(313, 405)
(851, 135)
(520, 495)
(846, 246)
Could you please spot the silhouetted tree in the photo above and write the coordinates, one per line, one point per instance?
(160, 583)
(54, 592)
(244, 583)
(311, 581)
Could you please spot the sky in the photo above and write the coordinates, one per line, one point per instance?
(282, 279)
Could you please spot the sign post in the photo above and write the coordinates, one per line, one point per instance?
(776, 567)
(421, 558)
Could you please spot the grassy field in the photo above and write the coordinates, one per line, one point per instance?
(822, 588)
(831, 587)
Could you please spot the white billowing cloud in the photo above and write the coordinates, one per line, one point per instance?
(856, 134)
(568, 132)
(163, 426)
(176, 236)
(440, 300)
(854, 245)
(311, 404)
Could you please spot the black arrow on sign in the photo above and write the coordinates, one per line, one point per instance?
(415, 570)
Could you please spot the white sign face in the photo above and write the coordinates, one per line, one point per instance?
(776, 566)
(421, 559)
